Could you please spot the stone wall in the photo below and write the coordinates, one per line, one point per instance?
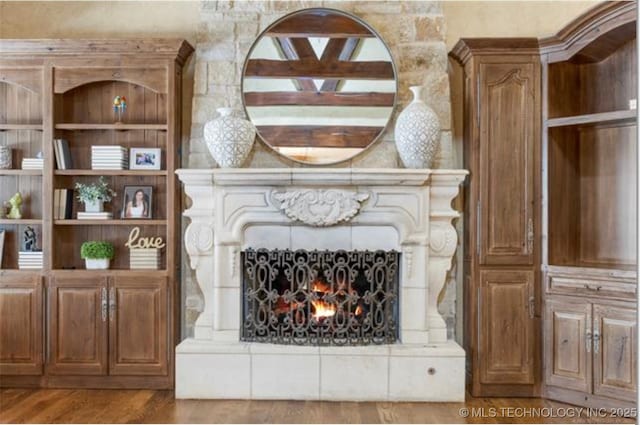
(415, 34)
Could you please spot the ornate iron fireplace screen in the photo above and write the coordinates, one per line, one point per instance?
(320, 297)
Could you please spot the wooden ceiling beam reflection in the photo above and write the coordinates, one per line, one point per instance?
(309, 98)
(319, 136)
(319, 24)
(266, 68)
(295, 51)
(338, 49)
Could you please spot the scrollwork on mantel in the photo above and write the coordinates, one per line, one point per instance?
(320, 208)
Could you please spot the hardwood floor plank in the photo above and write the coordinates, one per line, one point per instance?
(147, 406)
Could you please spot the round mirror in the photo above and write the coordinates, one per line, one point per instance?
(319, 85)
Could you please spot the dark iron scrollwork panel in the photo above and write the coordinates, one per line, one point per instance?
(320, 297)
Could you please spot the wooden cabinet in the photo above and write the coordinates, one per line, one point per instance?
(569, 334)
(615, 350)
(508, 104)
(590, 351)
(77, 326)
(590, 147)
(138, 336)
(100, 329)
(501, 151)
(507, 335)
(21, 324)
(109, 326)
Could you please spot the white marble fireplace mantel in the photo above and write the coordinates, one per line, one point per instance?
(321, 208)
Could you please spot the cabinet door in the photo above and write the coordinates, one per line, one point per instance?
(567, 343)
(138, 326)
(507, 337)
(78, 326)
(508, 133)
(614, 352)
(21, 325)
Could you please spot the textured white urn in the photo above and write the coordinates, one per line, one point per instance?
(417, 132)
(229, 138)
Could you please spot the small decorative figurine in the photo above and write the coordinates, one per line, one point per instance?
(15, 202)
(30, 240)
(119, 107)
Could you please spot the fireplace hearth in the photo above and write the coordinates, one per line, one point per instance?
(331, 274)
(320, 298)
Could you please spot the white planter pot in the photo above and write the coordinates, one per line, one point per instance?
(96, 206)
(229, 138)
(97, 264)
(417, 132)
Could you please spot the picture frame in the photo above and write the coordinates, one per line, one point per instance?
(145, 158)
(137, 202)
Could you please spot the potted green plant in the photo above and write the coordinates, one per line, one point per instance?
(94, 195)
(97, 255)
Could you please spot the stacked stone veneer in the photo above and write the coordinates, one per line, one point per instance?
(414, 32)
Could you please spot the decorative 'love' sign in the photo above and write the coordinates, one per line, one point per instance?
(135, 243)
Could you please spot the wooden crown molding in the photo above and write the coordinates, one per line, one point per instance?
(599, 30)
(467, 47)
(160, 47)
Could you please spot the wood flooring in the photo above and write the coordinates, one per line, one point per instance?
(147, 406)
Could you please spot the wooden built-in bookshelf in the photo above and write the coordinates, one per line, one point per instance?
(64, 89)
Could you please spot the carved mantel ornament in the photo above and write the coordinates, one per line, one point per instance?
(318, 207)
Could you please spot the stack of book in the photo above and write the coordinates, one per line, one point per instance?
(105, 215)
(32, 163)
(62, 204)
(62, 154)
(30, 260)
(144, 258)
(109, 158)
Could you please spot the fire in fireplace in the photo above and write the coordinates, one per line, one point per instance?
(320, 297)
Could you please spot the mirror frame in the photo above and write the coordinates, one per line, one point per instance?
(375, 140)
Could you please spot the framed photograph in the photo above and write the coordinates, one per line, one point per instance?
(145, 158)
(138, 202)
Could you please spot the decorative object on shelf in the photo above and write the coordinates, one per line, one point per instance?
(30, 260)
(36, 163)
(417, 132)
(119, 107)
(145, 158)
(94, 195)
(97, 255)
(144, 253)
(137, 202)
(62, 204)
(16, 203)
(63, 154)
(2, 236)
(109, 157)
(229, 138)
(30, 239)
(5, 157)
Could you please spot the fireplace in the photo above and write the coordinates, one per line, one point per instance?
(335, 273)
(320, 297)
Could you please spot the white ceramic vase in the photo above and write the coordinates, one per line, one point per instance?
(95, 206)
(5, 157)
(229, 138)
(417, 132)
(97, 263)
